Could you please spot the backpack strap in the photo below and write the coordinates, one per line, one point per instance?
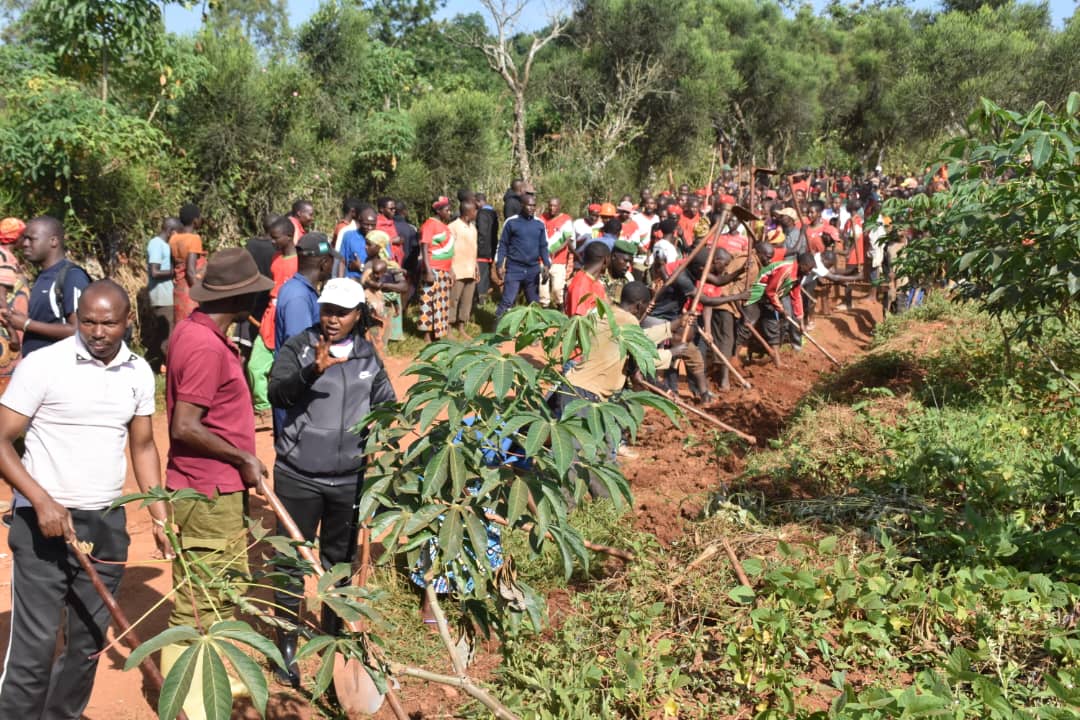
(61, 281)
(58, 290)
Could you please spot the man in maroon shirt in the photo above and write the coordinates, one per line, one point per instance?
(212, 433)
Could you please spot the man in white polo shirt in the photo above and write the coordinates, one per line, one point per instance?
(79, 401)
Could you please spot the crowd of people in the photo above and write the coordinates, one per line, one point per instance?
(288, 333)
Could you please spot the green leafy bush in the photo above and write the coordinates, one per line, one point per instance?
(1005, 231)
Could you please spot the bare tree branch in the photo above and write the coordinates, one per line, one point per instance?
(499, 53)
(602, 117)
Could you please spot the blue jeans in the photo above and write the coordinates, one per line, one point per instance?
(519, 277)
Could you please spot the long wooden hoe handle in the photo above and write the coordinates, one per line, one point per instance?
(131, 638)
(703, 415)
(710, 240)
(727, 363)
(672, 278)
(294, 533)
(768, 348)
(305, 552)
(816, 344)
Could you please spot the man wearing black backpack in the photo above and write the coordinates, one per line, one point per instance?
(55, 294)
(53, 298)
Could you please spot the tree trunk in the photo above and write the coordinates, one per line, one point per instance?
(104, 75)
(520, 151)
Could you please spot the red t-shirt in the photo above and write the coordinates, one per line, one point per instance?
(582, 293)
(282, 267)
(734, 243)
(298, 229)
(687, 224)
(435, 233)
(707, 290)
(554, 226)
(386, 225)
(815, 237)
(204, 369)
(778, 282)
(337, 229)
(854, 230)
(797, 294)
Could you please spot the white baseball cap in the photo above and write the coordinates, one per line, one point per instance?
(343, 292)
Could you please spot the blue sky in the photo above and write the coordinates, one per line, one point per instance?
(177, 19)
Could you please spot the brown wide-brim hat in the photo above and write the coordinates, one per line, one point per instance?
(229, 273)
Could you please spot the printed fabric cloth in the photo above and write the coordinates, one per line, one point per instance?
(435, 304)
(502, 453)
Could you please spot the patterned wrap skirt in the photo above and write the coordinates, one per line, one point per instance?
(435, 304)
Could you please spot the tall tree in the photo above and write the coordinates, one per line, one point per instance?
(91, 37)
(516, 71)
(396, 21)
(266, 22)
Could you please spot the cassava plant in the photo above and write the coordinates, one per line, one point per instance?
(475, 445)
(1006, 229)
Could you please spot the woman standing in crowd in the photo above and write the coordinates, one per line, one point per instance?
(326, 379)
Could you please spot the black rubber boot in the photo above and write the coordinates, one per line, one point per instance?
(286, 643)
(330, 622)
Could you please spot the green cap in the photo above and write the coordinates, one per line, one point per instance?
(625, 246)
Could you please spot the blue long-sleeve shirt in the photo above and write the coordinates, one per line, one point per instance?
(297, 308)
(353, 247)
(523, 242)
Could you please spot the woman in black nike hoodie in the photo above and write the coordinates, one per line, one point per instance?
(326, 379)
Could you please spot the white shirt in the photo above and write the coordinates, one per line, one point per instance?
(842, 216)
(582, 229)
(818, 271)
(351, 225)
(79, 412)
(877, 245)
(665, 251)
(645, 224)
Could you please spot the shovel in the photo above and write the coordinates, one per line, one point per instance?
(356, 691)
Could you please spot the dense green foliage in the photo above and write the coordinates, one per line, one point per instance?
(474, 408)
(438, 472)
(1008, 229)
(116, 122)
(926, 567)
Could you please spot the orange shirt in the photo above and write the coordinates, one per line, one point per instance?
(687, 225)
(815, 237)
(282, 267)
(183, 244)
(854, 230)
